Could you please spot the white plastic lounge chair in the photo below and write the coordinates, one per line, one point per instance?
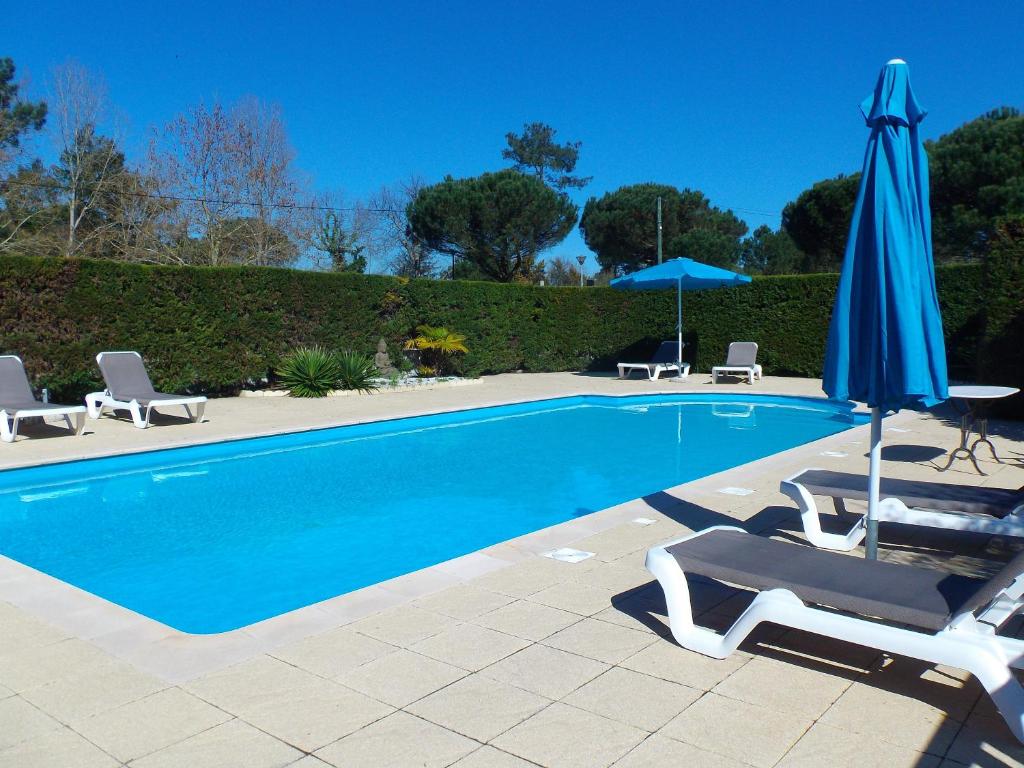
(926, 614)
(742, 359)
(994, 511)
(665, 359)
(18, 402)
(129, 389)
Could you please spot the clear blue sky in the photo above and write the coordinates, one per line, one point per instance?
(749, 102)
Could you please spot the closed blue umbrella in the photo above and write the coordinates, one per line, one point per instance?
(885, 344)
(683, 275)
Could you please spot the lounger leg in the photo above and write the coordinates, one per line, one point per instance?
(6, 433)
(750, 377)
(136, 411)
(812, 522)
(79, 427)
(200, 410)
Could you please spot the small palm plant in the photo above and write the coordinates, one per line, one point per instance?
(438, 346)
(356, 372)
(309, 371)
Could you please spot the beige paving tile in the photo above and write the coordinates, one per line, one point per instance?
(315, 714)
(742, 731)
(825, 745)
(639, 614)
(633, 698)
(469, 646)
(548, 672)
(620, 577)
(150, 724)
(531, 621)
(309, 762)
(986, 741)
(526, 578)
(398, 741)
(20, 721)
(404, 625)
(786, 687)
(33, 665)
(659, 752)
(893, 717)
(333, 653)
(22, 631)
(401, 678)
(616, 542)
(225, 746)
(601, 640)
(79, 696)
(478, 707)
(574, 597)
(464, 602)
(252, 683)
(569, 738)
(489, 757)
(668, 661)
(62, 748)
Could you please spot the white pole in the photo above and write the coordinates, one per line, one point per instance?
(679, 329)
(874, 470)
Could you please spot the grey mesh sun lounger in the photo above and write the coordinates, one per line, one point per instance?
(665, 359)
(18, 402)
(129, 389)
(994, 511)
(923, 613)
(742, 359)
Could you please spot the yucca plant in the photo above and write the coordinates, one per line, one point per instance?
(438, 346)
(356, 371)
(309, 371)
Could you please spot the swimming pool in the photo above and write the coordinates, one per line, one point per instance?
(214, 537)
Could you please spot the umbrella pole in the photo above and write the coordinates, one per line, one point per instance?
(874, 470)
(679, 329)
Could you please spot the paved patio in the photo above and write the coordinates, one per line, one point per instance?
(509, 659)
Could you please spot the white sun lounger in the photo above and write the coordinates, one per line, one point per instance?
(665, 359)
(926, 614)
(742, 359)
(129, 389)
(18, 402)
(993, 511)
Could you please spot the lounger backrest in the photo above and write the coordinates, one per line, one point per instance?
(742, 354)
(994, 586)
(14, 385)
(125, 374)
(668, 352)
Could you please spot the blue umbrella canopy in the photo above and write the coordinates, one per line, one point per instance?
(684, 275)
(885, 344)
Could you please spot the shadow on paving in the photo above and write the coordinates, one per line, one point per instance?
(985, 742)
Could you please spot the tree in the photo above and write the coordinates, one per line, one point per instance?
(498, 222)
(770, 252)
(88, 162)
(343, 244)
(30, 212)
(393, 239)
(622, 229)
(535, 151)
(819, 221)
(562, 272)
(17, 117)
(228, 166)
(977, 174)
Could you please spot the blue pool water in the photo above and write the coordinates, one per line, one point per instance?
(212, 538)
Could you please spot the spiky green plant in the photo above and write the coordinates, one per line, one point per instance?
(439, 345)
(356, 372)
(309, 371)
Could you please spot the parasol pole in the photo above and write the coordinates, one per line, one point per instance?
(874, 471)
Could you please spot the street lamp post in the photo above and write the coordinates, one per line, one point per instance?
(580, 260)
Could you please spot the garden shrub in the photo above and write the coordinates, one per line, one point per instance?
(217, 329)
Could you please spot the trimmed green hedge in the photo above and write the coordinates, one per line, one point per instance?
(216, 329)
